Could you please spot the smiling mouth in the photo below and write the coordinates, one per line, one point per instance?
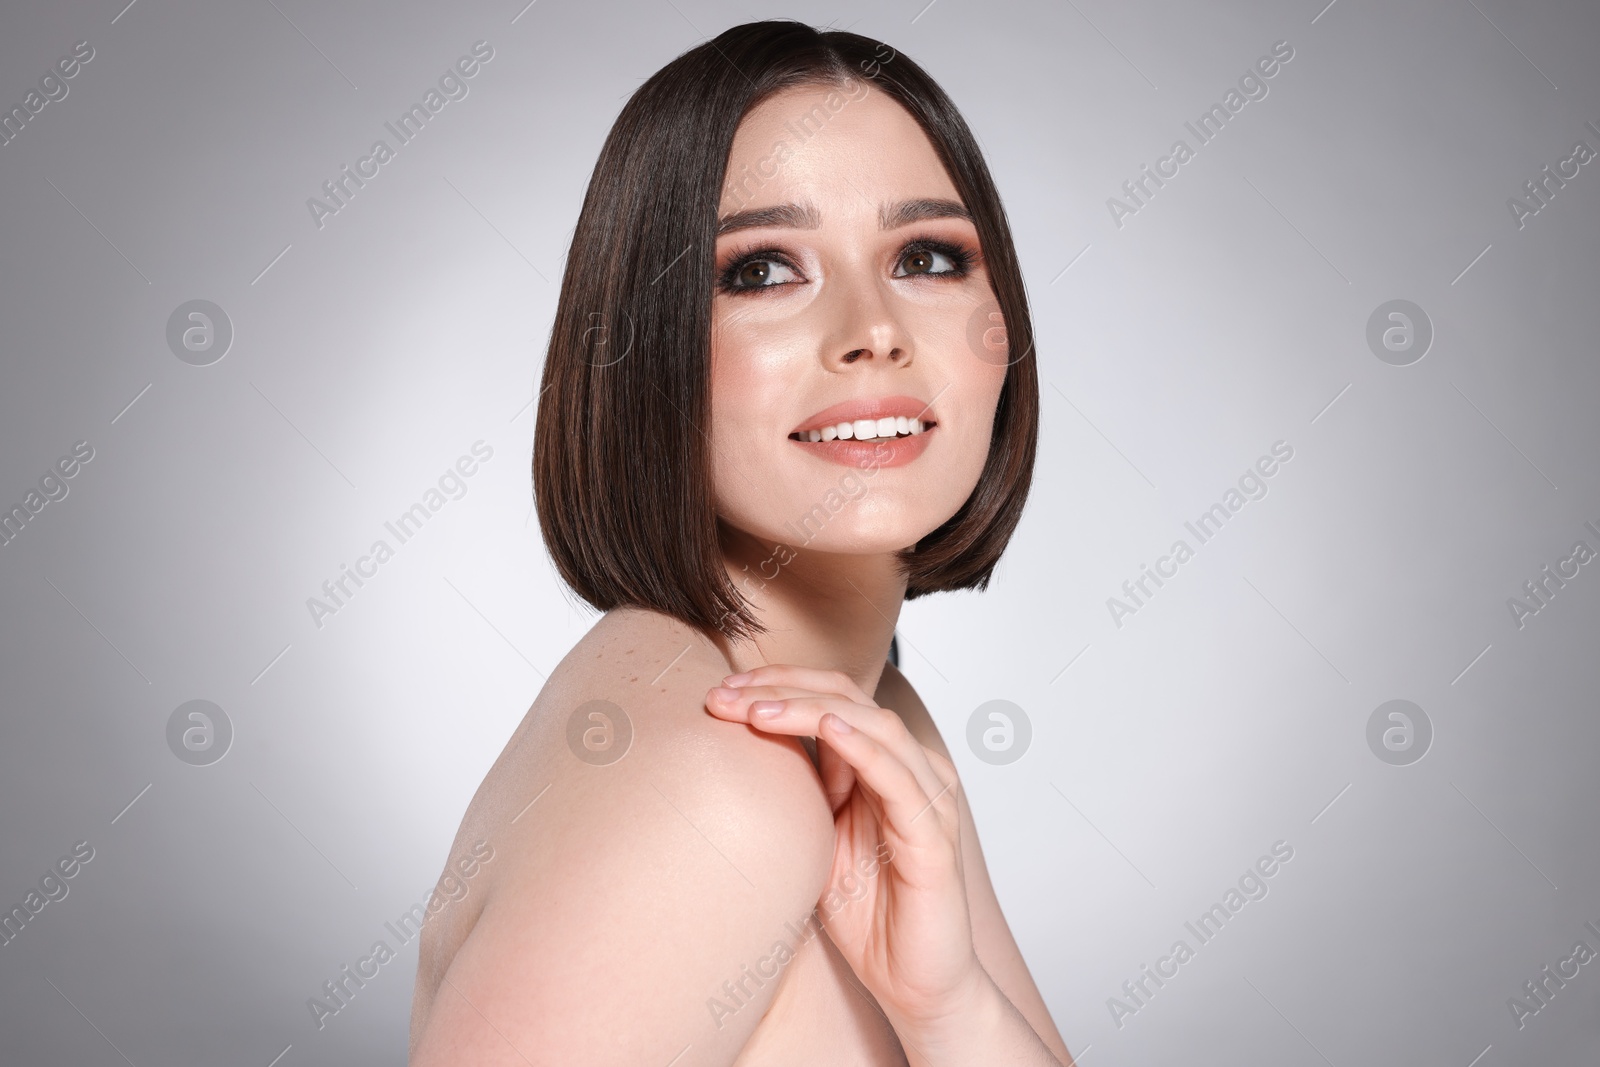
(885, 429)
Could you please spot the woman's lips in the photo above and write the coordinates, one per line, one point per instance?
(873, 453)
(872, 408)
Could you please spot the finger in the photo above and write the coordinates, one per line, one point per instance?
(838, 777)
(734, 704)
(917, 816)
(813, 678)
(945, 771)
(803, 715)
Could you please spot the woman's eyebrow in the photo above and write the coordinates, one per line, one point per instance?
(805, 216)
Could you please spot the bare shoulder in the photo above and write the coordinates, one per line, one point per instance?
(644, 852)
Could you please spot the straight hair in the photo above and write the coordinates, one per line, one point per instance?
(621, 472)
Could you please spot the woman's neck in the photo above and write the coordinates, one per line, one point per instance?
(832, 611)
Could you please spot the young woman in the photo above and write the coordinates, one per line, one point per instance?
(789, 386)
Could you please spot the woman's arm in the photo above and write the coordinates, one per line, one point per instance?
(991, 935)
(987, 1028)
(631, 893)
(909, 938)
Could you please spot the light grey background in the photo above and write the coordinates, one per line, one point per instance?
(1168, 753)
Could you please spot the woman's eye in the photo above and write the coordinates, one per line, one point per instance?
(764, 270)
(761, 274)
(928, 261)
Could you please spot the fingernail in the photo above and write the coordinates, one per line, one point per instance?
(724, 696)
(839, 724)
(737, 679)
(766, 708)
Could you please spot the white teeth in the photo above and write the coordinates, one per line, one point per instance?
(867, 429)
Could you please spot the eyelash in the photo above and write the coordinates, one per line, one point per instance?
(961, 259)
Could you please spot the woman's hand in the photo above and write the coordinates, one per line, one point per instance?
(909, 937)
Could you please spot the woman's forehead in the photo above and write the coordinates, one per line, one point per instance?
(827, 148)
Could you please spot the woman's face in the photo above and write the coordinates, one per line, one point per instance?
(821, 305)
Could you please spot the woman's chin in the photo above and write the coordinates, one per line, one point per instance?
(852, 537)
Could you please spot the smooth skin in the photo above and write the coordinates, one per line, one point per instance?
(909, 939)
(623, 896)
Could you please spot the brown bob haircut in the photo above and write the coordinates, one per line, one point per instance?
(621, 476)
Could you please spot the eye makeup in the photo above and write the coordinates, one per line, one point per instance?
(961, 256)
